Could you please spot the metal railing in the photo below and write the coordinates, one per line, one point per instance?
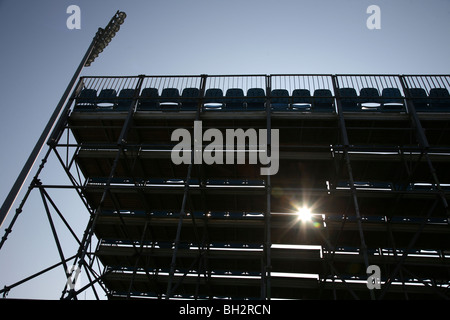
(283, 92)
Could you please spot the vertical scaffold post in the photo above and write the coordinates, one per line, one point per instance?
(266, 259)
(346, 145)
(185, 196)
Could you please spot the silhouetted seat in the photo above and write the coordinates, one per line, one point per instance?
(323, 101)
(439, 99)
(392, 99)
(234, 99)
(349, 100)
(170, 99)
(301, 99)
(125, 99)
(86, 100)
(369, 98)
(279, 99)
(107, 99)
(189, 99)
(419, 98)
(256, 98)
(149, 99)
(213, 99)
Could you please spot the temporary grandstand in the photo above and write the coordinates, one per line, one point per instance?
(366, 156)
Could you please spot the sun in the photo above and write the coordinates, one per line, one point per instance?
(304, 214)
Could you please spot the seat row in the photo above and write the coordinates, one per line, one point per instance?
(438, 99)
(322, 100)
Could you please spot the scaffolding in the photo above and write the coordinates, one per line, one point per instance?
(368, 155)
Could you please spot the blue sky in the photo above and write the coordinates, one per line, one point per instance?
(39, 55)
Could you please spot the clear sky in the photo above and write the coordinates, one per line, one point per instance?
(39, 55)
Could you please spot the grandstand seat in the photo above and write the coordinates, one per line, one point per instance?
(256, 98)
(369, 98)
(419, 98)
(301, 99)
(125, 99)
(86, 100)
(213, 99)
(439, 99)
(107, 99)
(149, 99)
(189, 99)
(234, 99)
(349, 100)
(170, 99)
(323, 101)
(279, 99)
(391, 99)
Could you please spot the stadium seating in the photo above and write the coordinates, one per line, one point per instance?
(86, 100)
(392, 100)
(439, 100)
(170, 99)
(125, 99)
(256, 98)
(149, 99)
(279, 99)
(189, 99)
(323, 101)
(301, 99)
(234, 99)
(213, 99)
(349, 100)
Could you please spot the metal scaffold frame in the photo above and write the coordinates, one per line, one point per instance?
(367, 154)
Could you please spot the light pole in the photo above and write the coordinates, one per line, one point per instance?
(102, 38)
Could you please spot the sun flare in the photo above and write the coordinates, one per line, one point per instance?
(304, 214)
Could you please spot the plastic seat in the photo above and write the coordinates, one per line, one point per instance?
(392, 99)
(86, 100)
(369, 98)
(279, 99)
(301, 99)
(349, 100)
(234, 99)
(189, 99)
(125, 99)
(107, 99)
(419, 98)
(213, 99)
(256, 98)
(439, 99)
(170, 99)
(149, 99)
(323, 101)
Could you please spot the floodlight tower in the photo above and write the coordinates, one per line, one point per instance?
(100, 41)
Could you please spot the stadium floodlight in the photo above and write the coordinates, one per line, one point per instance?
(102, 38)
